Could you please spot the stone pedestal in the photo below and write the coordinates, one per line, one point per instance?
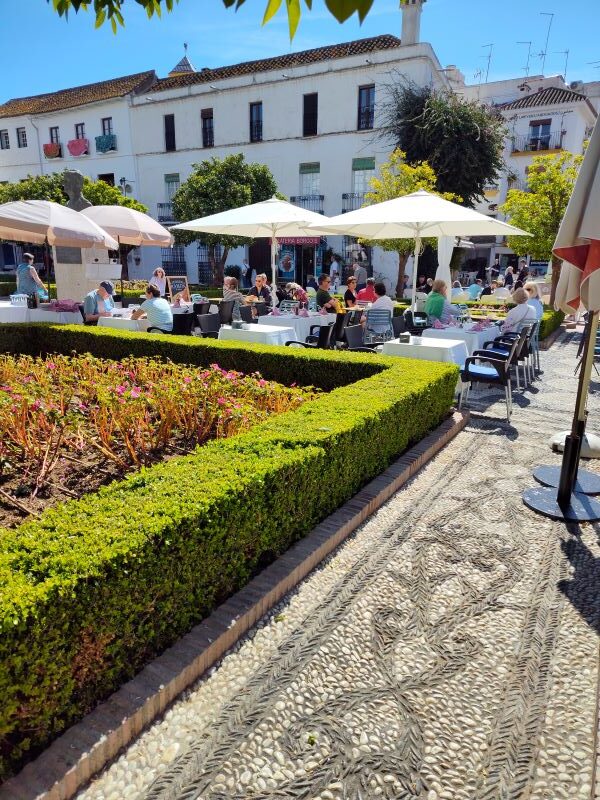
(78, 271)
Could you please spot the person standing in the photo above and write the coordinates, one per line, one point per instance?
(334, 267)
(246, 273)
(159, 280)
(28, 281)
(360, 274)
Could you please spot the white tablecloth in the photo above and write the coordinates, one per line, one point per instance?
(449, 350)
(301, 325)
(10, 313)
(258, 334)
(474, 340)
(124, 323)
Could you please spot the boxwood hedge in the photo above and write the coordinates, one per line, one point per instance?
(96, 587)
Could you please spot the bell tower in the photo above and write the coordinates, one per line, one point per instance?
(411, 21)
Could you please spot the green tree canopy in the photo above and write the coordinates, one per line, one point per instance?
(539, 210)
(397, 178)
(460, 139)
(50, 187)
(218, 185)
(112, 10)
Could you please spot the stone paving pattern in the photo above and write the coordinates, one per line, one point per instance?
(448, 650)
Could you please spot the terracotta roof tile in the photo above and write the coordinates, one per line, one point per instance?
(546, 97)
(288, 61)
(78, 96)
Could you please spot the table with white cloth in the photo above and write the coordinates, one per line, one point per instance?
(257, 334)
(10, 313)
(121, 320)
(301, 325)
(475, 340)
(452, 351)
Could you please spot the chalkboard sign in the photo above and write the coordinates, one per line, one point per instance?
(68, 255)
(178, 284)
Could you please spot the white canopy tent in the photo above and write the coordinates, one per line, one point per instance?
(415, 216)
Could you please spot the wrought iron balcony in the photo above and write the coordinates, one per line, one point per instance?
(256, 132)
(366, 118)
(533, 144)
(352, 200)
(311, 202)
(165, 212)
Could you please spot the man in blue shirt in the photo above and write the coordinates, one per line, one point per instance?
(156, 309)
(99, 302)
(475, 289)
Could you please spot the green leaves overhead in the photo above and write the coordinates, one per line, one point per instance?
(111, 10)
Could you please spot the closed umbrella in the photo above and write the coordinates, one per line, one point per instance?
(444, 254)
(578, 244)
(269, 218)
(40, 221)
(416, 216)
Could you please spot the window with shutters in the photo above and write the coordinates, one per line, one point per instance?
(172, 183)
(208, 130)
(80, 130)
(21, 137)
(4, 140)
(366, 107)
(256, 122)
(170, 145)
(310, 114)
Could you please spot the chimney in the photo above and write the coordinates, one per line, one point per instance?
(411, 21)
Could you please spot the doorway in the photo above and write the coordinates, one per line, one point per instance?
(307, 264)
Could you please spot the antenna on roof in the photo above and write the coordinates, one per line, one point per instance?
(185, 46)
(489, 60)
(526, 67)
(544, 52)
(564, 53)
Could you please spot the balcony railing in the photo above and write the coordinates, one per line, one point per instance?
(256, 132)
(521, 184)
(352, 200)
(366, 118)
(165, 212)
(533, 144)
(311, 202)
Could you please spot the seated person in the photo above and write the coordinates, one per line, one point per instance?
(501, 292)
(475, 289)
(99, 303)
(383, 302)
(521, 314)
(159, 280)
(324, 299)
(260, 290)
(533, 291)
(422, 284)
(456, 289)
(350, 293)
(489, 289)
(437, 305)
(231, 292)
(311, 283)
(368, 293)
(156, 309)
(296, 292)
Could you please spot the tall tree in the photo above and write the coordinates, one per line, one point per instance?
(460, 139)
(111, 10)
(397, 178)
(217, 185)
(540, 209)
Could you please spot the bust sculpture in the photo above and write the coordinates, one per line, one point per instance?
(73, 186)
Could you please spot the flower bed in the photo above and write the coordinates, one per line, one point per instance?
(69, 424)
(98, 586)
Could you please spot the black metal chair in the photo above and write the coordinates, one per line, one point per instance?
(182, 325)
(209, 325)
(415, 322)
(321, 342)
(399, 325)
(226, 311)
(202, 307)
(494, 370)
(502, 347)
(246, 314)
(82, 312)
(353, 335)
(338, 329)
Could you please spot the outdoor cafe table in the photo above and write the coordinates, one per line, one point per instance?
(301, 325)
(258, 334)
(475, 340)
(10, 313)
(453, 351)
(123, 321)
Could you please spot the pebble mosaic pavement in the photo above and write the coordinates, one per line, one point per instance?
(447, 651)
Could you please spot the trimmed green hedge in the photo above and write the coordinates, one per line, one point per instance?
(96, 587)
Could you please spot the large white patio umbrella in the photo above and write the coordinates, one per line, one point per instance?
(578, 244)
(129, 226)
(415, 216)
(42, 221)
(269, 218)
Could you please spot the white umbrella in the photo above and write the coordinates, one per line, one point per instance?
(416, 216)
(578, 243)
(444, 253)
(40, 221)
(129, 226)
(269, 218)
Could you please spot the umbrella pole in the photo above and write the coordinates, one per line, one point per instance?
(564, 503)
(415, 269)
(47, 249)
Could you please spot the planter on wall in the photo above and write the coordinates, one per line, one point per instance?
(78, 147)
(106, 143)
(52, 150)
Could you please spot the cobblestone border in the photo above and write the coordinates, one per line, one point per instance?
(71, 761)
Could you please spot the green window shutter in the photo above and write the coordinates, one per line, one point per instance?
(308, 169)
(363, 163)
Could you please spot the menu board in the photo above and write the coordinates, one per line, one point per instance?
(178, 284)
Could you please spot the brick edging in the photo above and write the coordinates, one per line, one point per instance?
(546, 344)
(71, 761)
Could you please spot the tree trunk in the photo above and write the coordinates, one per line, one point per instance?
(402, 259)
(556, 265)
(217, 266)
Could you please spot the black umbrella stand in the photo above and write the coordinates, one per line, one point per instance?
(564, 496)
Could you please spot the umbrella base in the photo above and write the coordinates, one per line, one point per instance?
(590, 445)
(581, 508)
(587, 482)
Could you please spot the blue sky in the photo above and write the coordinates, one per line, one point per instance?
(43, 53)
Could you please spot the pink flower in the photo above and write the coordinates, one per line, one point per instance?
(121, 389)
(221, 401)
(187, 379)
(262, 383)
(36, 405)
(136, 392)
(50, 365)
